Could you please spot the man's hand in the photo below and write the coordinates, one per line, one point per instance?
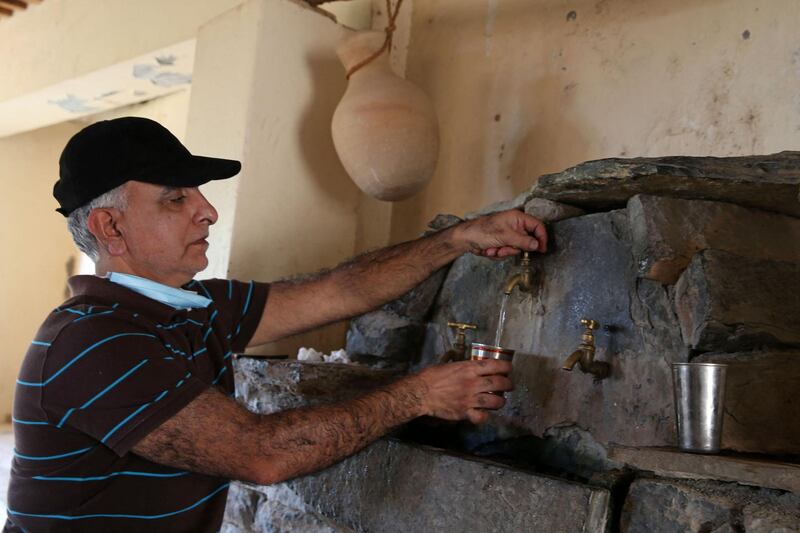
(456, 391)
(502, 234)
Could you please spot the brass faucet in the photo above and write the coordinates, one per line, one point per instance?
(523, 279)
(459, 349)
(584, 355)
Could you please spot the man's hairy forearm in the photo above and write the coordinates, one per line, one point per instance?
(305, 440)
(216, 436)
(385, 274)
(355, 287)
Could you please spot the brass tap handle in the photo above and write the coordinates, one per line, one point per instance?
(462, 326)
(590, 324)
(525, 260)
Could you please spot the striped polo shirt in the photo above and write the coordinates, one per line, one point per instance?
(106, 368)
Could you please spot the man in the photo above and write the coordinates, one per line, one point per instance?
(124, 417)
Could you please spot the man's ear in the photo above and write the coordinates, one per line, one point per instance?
(102, 223)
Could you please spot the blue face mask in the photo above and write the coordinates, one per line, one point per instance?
(177, 298)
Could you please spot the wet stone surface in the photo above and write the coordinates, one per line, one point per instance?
(589, 272)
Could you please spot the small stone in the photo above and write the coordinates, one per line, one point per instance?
(732, 303)
(550, 211)
(667, 232)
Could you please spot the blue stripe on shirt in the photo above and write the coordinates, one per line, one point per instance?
(104, 391)
(29, 422)
(133, 414)
(48, 457)
(79, 356)
(113, 474)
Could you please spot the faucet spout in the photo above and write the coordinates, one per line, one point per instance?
(584, 355)
(523, 279)
(572, 360)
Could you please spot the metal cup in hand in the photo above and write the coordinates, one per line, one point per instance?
(486, 351)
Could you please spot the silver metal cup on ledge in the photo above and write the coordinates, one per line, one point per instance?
(699, 391)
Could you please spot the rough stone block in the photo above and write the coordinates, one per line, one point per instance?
(730, 303)
(265, 386)
(255, 509)
(667, 506)
(769, 182)
(667, 232)
(549, 211)
(395, 487)
(762, 412)
(395, 331)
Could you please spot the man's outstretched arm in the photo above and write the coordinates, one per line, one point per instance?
(374, 278)
(215, 435)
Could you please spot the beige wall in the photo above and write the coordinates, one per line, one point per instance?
(272, 68)
(63, 39)
(523, 89)
(36, 251)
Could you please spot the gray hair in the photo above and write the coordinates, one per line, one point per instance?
(78, 220)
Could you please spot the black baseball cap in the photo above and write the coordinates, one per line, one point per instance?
(109, 153)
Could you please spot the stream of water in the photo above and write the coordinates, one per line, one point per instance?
(501, 321)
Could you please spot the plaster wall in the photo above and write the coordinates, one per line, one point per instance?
(524, 88)
(36, 251)
(64, 39)
(266, 82)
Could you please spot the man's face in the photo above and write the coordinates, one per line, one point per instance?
(165, 231)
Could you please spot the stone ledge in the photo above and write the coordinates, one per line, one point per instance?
(769, 182)
(670, 462)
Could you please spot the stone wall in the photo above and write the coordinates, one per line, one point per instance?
(677, 257)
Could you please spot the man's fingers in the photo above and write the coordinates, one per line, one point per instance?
(489, 401)
(536, 227)
(496, 383)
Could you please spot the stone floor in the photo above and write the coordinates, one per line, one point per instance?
(6, 449)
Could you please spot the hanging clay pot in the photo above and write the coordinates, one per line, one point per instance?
(384, 129)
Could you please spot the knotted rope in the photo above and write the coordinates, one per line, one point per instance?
(387, 43)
